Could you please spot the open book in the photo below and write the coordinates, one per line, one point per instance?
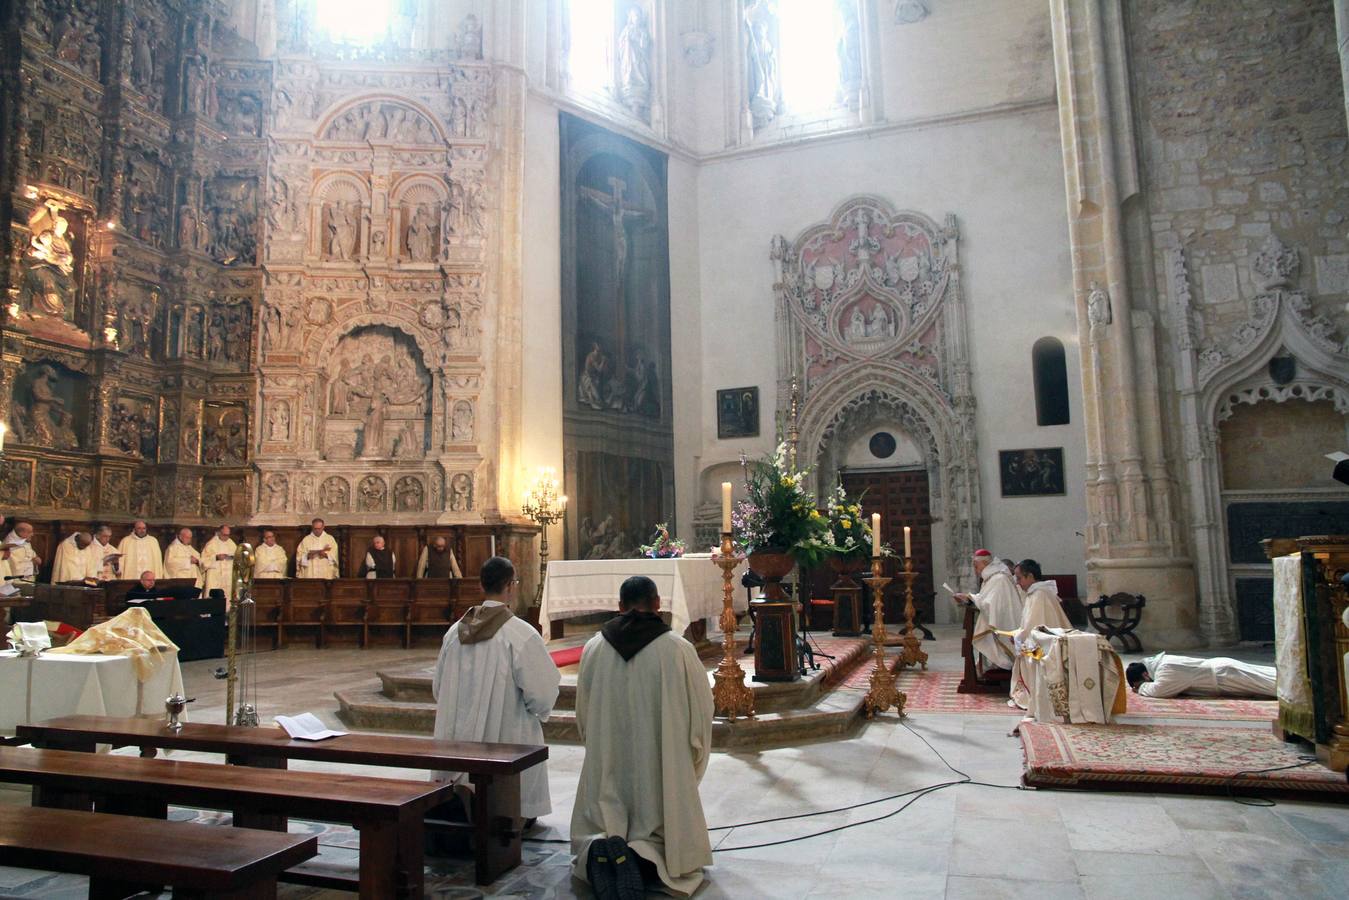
(306, 727)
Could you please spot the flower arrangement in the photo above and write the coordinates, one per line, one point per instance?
(662, 546)
(849, 535)
(779, 514)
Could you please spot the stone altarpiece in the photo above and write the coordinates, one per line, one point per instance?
(171, 195)
(872, 327)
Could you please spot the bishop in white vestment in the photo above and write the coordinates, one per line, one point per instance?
(644, 709)
(1168, 675)
(181, 560)
(1041, 608)
(23, 559)
(495, 682)
(316, 557)
(217, 562)
(72, 560)
(999, 606)
(269, 557)
(140, 553)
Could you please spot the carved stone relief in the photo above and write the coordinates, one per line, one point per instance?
(224, 440)
(49, 407)
(378, 397)
(115, 490)
(371, 494)
(461, 492)
(16, 483)
(335, 494)
(133, 426)
(63, 487)
(408, 495)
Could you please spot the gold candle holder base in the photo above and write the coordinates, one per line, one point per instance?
(882, 694)
(730, 695)
(913, 653)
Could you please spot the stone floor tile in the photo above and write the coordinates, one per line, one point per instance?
(960, 887)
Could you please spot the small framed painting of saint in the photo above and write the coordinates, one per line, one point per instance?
(738, 413)
(1031, 473)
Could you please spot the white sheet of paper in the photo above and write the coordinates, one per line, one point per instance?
(306, 727)
(950, 590)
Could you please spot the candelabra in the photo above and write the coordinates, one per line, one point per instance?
(544, 506)
(913, 653)
(882, 694)
(730, 695)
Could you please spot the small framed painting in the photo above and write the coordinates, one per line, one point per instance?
(1031, 473)
(738, 413)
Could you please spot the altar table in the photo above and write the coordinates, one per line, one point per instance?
(45, 687)
(690, 587)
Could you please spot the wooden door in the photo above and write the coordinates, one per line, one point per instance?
(901, 497)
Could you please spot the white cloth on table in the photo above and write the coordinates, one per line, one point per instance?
(647, 728)
(140, 554)
(269, 561)
(690, 587)
(182, 561)
(1219, 676)
(45, 687)
(999, 606)
(218, 574)
(1074, 677)
(319, 566)
(498, 690)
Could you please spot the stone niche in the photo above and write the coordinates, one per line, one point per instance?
(378, 399)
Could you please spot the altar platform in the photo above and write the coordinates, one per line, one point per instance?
(824, 705)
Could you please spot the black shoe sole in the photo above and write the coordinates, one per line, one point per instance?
(627, 873)
(600, 870)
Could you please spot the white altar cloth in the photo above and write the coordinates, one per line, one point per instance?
(690, 587)
(36, 689)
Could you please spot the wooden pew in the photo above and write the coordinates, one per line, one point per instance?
(122, 855)
(493, 769)
(388, 813)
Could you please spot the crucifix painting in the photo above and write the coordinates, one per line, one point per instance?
(616, 340)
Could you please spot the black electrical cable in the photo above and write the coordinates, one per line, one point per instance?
(1304, 761)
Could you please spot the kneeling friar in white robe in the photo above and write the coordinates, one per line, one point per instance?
(495, 682)
(644, 710)
(1168, 675)
(999, 609)
(1040, 609)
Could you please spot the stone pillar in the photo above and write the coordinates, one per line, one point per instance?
(1342, 40)
(1132, 543)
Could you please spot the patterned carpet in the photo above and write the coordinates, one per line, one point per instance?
(936, 692)
(1183, 759)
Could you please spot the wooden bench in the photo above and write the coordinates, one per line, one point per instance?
(387, 813)
(493, 769)
(121, 856)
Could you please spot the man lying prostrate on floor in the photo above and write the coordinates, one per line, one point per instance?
(1168, 675)
(644, 710)
(495, 682)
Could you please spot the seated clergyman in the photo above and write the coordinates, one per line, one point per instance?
(379, 560)
(999, 610)
(147, 589)
(1168, 675)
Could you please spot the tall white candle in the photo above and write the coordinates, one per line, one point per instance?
(875, 534)
(3, 429)
(494, 545)
(725, 507)
(908, 544)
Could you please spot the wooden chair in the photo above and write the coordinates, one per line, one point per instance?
(304, 609)
(389, 608)
(1069, 599)
(269, 606)
(1121, 626)
(990, 681)
(431, 607)
(347, 600)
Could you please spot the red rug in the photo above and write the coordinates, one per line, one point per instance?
(936, 692)
(1173, 758)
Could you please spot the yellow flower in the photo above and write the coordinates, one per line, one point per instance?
(845, 523)
(814, 513)
(786, 482)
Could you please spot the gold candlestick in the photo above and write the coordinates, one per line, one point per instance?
(883, 694)
(730, 695)
(913, 653)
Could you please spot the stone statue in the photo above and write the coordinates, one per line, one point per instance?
(1098, 309)
(187, 228)
(407, 495)
(470, 38)
(849, 54)
(857, 325)
(47, 422)
(763, 88)
(341, 231)
(372, 493)
(421, 245)
(461, 493)
(48, 281)
(461, 423)
(278, 423)
(275, 488)
(372, 435)
(334, 494)
(880, 325)
(142, 58)
(634, 64)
